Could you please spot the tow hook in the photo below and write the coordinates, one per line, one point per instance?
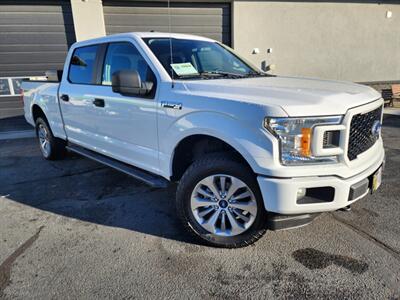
(346, 209)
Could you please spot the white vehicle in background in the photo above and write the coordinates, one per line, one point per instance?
(250, 151)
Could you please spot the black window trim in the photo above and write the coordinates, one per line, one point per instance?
(101, 55)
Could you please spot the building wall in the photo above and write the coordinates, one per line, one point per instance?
(346, 41)
(88, 19)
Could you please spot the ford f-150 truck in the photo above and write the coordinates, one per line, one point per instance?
(250, 150)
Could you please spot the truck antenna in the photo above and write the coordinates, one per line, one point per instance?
(170, 42)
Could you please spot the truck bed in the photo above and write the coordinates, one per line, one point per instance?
(44, 93)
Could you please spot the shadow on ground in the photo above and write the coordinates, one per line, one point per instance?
(81, 189)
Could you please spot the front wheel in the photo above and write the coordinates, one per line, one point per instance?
(219, 201)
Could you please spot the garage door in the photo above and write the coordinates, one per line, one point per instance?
(34, 37)
(205, 19)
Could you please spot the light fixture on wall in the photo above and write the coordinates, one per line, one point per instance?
(389, 14)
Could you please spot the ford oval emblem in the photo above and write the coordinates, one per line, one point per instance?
(376, 128)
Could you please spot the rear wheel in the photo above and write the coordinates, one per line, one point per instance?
(51, 147)
(219, 201)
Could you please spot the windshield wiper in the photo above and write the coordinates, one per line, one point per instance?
(259, 74)
(236, 75)
(256, 74)
(215, 74)
(212, 75)
(223, 74)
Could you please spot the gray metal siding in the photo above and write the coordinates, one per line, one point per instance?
(212, 20)
(10, 107)
(34, 37)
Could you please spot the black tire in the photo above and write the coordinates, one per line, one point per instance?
(56, 149)
(212, 165)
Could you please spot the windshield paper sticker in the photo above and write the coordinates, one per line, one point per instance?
(184, 69)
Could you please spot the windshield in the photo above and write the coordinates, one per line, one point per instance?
(199, 59)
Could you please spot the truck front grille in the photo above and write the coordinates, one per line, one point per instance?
(361, 136)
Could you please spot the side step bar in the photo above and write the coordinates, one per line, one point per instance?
(143, 176)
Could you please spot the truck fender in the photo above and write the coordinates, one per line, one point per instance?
(253, 143)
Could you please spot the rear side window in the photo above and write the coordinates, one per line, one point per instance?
(82, 65)
(124, 56)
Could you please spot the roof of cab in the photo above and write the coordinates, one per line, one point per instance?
(149, 34)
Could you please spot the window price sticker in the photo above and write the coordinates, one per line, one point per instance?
(184, 69)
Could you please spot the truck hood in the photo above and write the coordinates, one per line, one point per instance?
(296, 96)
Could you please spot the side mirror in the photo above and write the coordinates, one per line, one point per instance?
(127, 82)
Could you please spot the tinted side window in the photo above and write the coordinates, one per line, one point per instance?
(124, 56)
(82, 65)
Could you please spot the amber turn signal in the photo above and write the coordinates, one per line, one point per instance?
(306, 141)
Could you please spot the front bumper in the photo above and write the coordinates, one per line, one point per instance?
(280, 194)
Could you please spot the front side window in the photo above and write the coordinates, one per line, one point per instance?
(124, 56)
(82, 65)
(196, 58)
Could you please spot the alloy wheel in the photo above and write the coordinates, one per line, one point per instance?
(44, 140)
(223, 205)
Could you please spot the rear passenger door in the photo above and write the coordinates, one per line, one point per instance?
(127, 128)
(81, 117)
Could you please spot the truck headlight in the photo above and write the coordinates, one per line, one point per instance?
(295, 138)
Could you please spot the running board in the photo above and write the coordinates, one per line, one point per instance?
(143, 176)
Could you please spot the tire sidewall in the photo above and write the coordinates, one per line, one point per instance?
(198, 172)
(42, 122)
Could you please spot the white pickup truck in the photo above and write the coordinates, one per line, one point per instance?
(250, 151)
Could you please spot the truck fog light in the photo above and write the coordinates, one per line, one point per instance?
(301, 192)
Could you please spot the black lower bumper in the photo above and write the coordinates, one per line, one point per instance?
(280, 222)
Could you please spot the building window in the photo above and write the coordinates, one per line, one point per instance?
(4, 87)
(11, 86)
(16, 84)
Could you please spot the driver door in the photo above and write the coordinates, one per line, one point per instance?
(127, 125)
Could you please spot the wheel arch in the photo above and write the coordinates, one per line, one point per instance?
(37, 112)
(252, 144)
(193, 146)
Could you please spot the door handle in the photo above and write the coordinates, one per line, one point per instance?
(99, 102)
(64, 97)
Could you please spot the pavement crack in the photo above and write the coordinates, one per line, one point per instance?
(6, 266)
(393, 252)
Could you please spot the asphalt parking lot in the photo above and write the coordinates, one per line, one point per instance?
(76, 229)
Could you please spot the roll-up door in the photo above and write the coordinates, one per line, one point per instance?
(211, 20)
(34, 36)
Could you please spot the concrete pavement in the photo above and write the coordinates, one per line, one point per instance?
(76, 229)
